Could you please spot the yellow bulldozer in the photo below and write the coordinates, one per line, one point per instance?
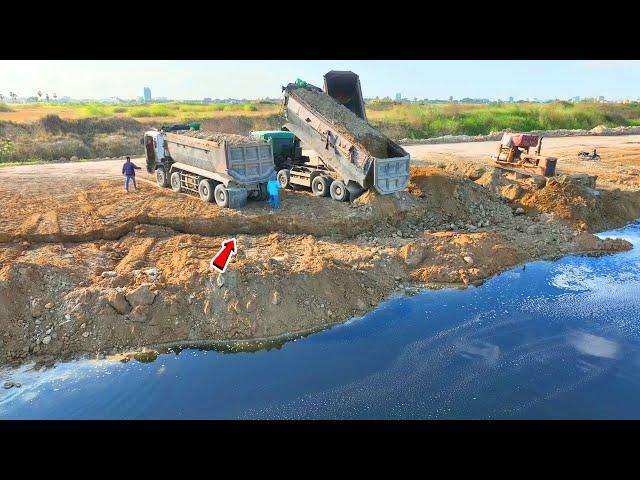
(513, 155)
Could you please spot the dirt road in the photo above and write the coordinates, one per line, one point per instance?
(86, 268)
(620, 164)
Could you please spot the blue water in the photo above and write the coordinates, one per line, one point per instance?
(554, 340)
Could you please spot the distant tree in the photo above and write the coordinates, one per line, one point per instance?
(39, 95)
(47, 97)
(1, 97)
(55, 97)
(13, 96)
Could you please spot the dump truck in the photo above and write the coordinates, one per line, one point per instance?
(337, 162)
(227, 169)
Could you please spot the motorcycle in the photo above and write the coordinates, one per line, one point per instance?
(593, 156)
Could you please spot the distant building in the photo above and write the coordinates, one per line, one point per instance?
(398, 97)
(206, 100)
(450, 98)
(601, 99)
(147, 94)
(510, 99)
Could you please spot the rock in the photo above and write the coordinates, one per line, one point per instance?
(251, 306)
(140, 313)
(119, 302)
(275, 298)
(109, 274)
(67, 317)
(141, 296)
(46, 340)
(83, 326)
(85, 334)
(220, 280)
(511, 192)
(62, 159)
(469, 260)
(8, 385)
(36, 308)
(74, 158)
(152, 274)
(519, 211)
(48, 306)
(413, 253)
(360, 304)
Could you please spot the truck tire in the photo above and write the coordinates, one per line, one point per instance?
(320, 185)
(161, 177)
(283, 178)
(339, 191)
(205, 189)
(176, 184)
(221, 195)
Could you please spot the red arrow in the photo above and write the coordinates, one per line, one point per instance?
(221, 259)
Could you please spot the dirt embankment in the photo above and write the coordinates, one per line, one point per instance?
(88, 269)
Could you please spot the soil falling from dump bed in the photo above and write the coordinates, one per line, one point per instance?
(217, 137)
(347, 123)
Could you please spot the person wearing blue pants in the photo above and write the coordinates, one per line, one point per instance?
(273, 188)
(129, 171)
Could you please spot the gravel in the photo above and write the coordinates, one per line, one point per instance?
(217, 136)
(347, 123)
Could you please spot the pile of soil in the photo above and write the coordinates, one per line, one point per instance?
(89, 269)
(217, 136)
(347, 123)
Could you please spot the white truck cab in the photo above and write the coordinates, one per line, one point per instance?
(155, 150)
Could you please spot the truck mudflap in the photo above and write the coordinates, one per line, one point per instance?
(391, 174)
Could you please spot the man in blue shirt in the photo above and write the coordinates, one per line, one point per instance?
(129, 171)
(272, 188)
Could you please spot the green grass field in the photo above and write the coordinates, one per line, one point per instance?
(177, 112)
(433, 120)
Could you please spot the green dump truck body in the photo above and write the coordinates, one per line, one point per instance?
(283, 142)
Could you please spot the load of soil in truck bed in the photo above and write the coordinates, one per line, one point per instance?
(217, 137)
(347, 123)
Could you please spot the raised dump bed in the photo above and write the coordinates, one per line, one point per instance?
(227, 169)
(353, 154)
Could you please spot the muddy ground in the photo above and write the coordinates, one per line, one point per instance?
(86, 268)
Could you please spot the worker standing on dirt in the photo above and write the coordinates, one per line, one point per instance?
(129, 171)
(273, 188)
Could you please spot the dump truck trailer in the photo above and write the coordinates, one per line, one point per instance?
(226, 172)
(343, 168)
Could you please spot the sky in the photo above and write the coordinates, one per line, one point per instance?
(191, 79)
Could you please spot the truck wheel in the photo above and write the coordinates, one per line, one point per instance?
(205, 189)
(176, 185)
(221, 195)
(283, 178)
(161, 177)
(320, 185)
(339, 191)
